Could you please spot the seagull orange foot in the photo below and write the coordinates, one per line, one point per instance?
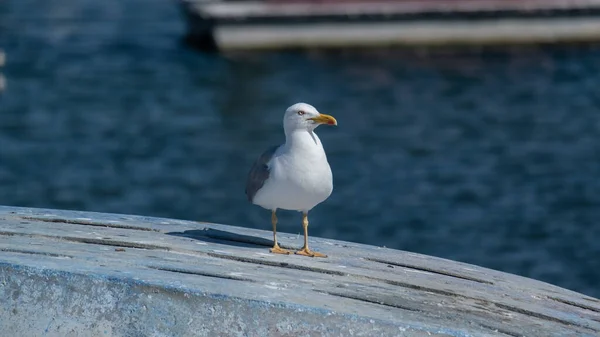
(307, 252)
(278, 250)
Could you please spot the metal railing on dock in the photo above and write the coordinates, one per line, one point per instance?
(94, 274)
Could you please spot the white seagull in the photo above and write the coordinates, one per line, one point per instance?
(296, 175)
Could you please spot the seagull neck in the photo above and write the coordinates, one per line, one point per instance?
(301, 139)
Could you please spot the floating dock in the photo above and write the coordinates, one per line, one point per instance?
(65, 273)
(278, 24)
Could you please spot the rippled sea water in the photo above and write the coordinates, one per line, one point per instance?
(490, 157)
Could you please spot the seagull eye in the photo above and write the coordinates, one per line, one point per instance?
(300, 113)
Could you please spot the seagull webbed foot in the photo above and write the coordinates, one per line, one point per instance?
(307, 252)
(278, 250)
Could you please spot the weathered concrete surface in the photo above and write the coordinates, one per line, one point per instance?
(90, 274)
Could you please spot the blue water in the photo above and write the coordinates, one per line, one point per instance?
(490, 157)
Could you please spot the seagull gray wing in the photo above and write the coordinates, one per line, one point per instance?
(259, 173)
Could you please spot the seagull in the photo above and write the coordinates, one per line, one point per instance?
(295, 175)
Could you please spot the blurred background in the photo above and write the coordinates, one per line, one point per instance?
(489, 156)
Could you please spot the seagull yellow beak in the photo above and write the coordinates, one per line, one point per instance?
(324, 119)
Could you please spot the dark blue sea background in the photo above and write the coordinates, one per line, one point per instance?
(488, 156)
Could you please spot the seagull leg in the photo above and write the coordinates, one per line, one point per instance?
(305, 251)
(276, 249)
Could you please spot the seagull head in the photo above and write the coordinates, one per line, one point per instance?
(302, 116)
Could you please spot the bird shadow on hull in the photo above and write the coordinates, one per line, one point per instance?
(211, 235)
